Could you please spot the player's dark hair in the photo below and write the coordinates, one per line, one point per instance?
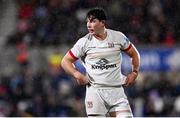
(98, 13)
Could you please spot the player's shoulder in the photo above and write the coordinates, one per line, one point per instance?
(88, 37)
(117, 35)
(116, 32)
(84, 39)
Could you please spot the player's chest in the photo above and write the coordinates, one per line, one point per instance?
(102, 50)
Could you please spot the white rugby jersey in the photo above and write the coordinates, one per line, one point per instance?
(102, 58)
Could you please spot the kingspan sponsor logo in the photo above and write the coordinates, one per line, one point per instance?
(103, 64)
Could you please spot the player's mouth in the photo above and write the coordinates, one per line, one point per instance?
(91, 30)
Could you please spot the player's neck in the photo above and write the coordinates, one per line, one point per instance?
(102, 35)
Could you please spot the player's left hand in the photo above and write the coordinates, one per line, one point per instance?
(131, 78)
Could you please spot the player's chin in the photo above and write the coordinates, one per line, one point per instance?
(91, 32)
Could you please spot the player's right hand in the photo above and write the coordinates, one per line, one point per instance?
(81, 79)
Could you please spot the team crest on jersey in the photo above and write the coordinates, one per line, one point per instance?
(110, 45)
(103, 64)
(89, 104)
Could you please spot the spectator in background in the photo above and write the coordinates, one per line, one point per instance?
(54, 61)
(42, 23)
(144, 21)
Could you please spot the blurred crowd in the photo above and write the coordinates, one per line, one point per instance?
(63, 21)
(32, 83)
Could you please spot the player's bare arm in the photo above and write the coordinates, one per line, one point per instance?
(134, 54)
(68, 66)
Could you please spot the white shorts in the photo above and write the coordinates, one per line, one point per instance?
(101, 101)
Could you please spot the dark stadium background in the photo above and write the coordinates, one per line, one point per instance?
(35, 34)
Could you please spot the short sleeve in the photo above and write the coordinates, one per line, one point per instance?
(77, 50)
(125, 43)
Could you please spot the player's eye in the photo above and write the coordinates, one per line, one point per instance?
(93, 21)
